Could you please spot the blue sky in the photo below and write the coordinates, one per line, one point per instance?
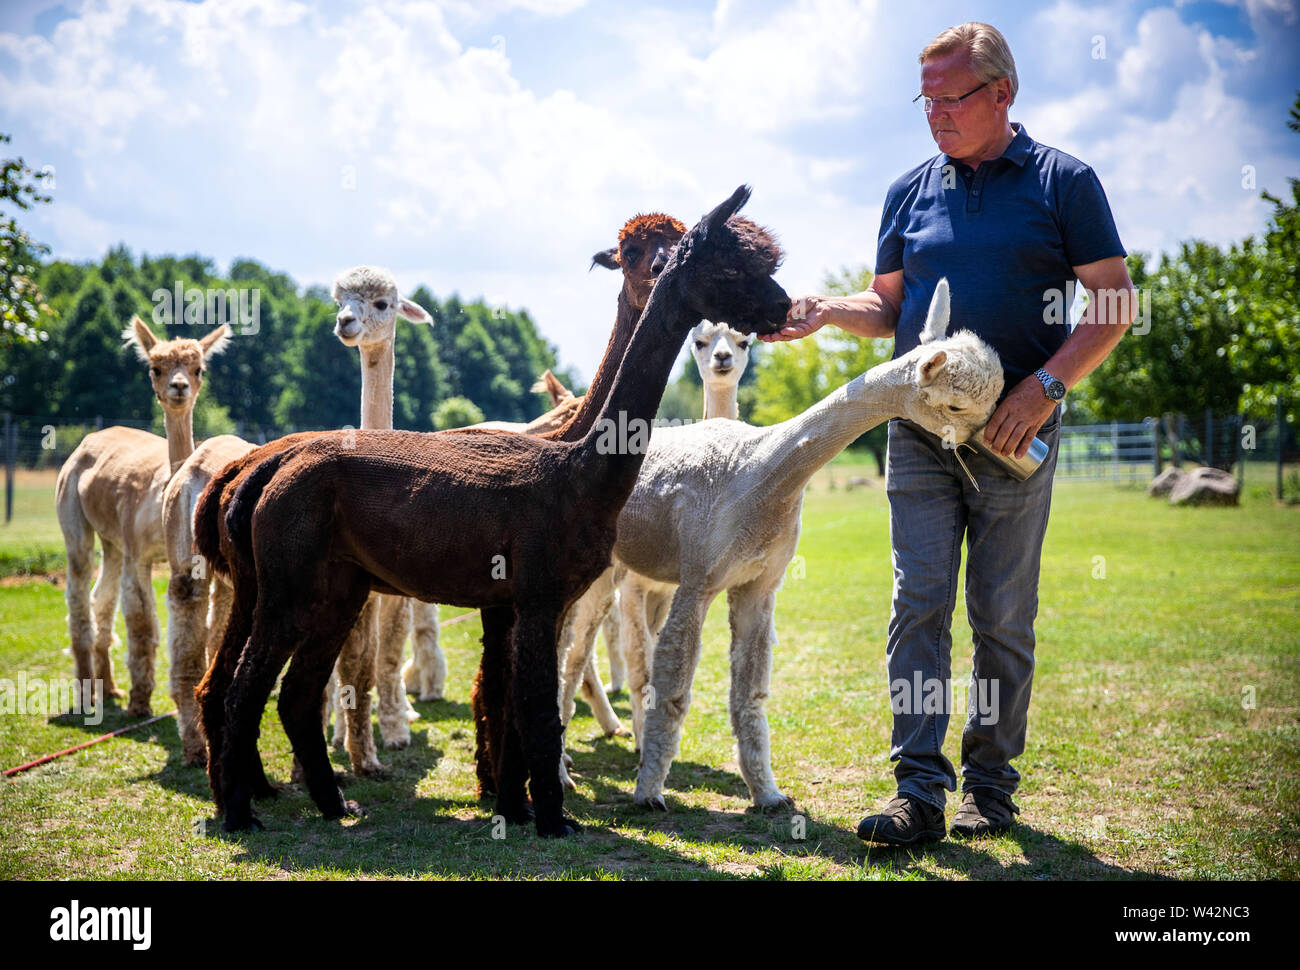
(491, 147)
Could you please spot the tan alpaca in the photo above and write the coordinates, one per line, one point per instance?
(112, 486)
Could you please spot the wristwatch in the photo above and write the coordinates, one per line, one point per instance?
(1053, 387)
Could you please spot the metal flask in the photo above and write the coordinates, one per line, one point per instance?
(1019, 468)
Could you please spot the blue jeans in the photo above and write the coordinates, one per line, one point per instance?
(932, 506)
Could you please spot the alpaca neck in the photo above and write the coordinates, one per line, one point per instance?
(377, 386)
(179, 427)
(598, 393)
(720, 401)
(794, 450)
(638, 387)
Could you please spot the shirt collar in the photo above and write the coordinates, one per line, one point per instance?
(1018, 151)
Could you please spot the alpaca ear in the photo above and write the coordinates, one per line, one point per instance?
(607, 258)
(548, 383)
(715, 219)
(931, 366)
(936, 321)
(140, 337)
(410, 310)
(216, 341)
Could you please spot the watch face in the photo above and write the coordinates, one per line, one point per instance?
(1056, 389)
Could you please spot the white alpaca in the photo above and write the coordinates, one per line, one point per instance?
(716, 507)
(112, 486)
(721, 355)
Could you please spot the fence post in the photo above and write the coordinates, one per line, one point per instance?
(11, 459)
(1155, 444)
(1241, 453)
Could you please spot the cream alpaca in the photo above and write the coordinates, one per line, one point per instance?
(112, 486)
(716, 507)
(721, 354)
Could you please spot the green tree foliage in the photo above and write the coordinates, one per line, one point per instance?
(283, 369)
(456, 412)
(21, 302)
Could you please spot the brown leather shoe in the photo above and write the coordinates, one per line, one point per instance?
(983, 811)
(905, 820)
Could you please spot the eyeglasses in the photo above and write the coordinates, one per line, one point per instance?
(945, 104)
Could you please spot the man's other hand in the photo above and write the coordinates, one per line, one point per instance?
(1018, 418)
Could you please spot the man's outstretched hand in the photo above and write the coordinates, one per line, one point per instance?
(1018, 418)
(807, 315)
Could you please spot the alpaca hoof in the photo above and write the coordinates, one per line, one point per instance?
(430, 696)
(251, 823)
(139, 710)
(397, 743)
(115, 692)
(412, 715)
(517, 815)
(619, 732)
(655, 803)
(773, 802)
(566, 782)
(559, 830)
(353, 809)
(612, 690)
(567, 759)
(264, 789)
(197, 760)
(296, 775)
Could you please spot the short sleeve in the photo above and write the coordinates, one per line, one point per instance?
(1087, 225)
(889, 246)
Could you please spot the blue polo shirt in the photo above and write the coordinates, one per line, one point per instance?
(1005, 235)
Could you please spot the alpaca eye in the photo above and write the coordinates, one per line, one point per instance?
(381, 304)
(953, 407)
(154, 371)
(744, 345)
(631, 255)
(700, 344)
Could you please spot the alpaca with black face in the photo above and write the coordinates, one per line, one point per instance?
(515, 525)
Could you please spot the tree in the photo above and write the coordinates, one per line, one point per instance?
(21, 302)
(456, 412)
(1266, 347)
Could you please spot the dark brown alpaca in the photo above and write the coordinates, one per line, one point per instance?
(645, 243)
(473, 518)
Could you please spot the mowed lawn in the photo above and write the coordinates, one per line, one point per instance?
(1164, 735)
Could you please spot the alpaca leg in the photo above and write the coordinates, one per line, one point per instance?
(535, 716)
(753, 635)
(269, 646)
(223, 599)
(299, 706)
(395, 711)
(676, 654)
(187, 609)
(638, 650)
(567, 651)
(333, 704)
(357, 677)
(488, 698)
(614, 650)
(79, 541)
(426, 672)
(103, 599)
(142, 634)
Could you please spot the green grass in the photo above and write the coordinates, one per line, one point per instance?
(1142, 760)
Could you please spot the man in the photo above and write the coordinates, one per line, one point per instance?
(1010, 223)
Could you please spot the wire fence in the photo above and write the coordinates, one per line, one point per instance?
(1119, 451)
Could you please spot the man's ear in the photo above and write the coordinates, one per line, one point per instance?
(931, 366)
(412, 311)
(607, 258)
